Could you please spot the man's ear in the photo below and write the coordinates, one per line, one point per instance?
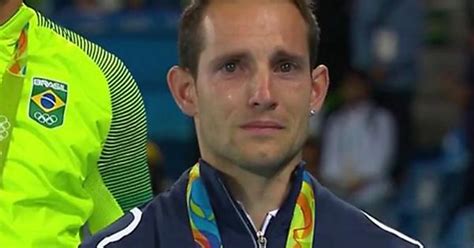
(182, 87)
(320, 83)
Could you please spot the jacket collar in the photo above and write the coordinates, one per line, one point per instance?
(232, 219)
(10, 30)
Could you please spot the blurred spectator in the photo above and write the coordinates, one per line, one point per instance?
(386, 37)
(358, 145)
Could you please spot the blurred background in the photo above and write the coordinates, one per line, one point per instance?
(396, 135)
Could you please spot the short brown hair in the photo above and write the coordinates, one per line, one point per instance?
(190, 40)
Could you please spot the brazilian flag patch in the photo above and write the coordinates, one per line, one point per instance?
(48, 102)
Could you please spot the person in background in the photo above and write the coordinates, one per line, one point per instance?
(386, 41)
(72, 134)
(248, 77)
(358, 147)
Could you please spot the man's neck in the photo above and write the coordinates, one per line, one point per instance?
(259, 194)
(7, 9)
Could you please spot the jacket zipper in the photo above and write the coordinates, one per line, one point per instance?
(243, 221)
(261, 240)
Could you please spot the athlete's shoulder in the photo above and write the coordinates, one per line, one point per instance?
(110, 65)
(336, 218)
(102, 81)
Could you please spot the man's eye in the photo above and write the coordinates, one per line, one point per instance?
(286, 67)
(230, 67)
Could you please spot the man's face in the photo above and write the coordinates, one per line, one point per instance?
(254, 88)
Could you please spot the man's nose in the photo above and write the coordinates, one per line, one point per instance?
(262, 96)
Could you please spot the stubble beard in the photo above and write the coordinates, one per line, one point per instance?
(265, 165)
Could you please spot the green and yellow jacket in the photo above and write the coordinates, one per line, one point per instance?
(76, 154)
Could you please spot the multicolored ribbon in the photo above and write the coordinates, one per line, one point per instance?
(301, 232)
(203, 221)
(10, 93)
(201, 216)
(18, 65)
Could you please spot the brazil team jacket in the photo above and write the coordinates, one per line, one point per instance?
(77, 153)
(164, 221)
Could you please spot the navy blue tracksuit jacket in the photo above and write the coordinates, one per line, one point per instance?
(163, 223)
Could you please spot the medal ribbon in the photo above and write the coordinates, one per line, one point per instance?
(203, 222)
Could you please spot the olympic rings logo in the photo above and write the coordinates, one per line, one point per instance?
(4, 127)
(45, 118)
